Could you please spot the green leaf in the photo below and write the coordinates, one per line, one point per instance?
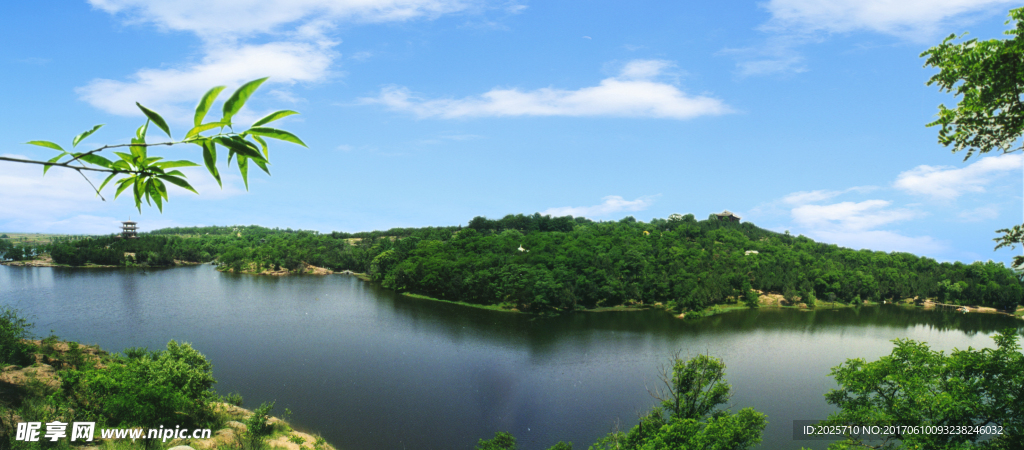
(161, 188)
(201, 128)
(173, 164)
(130, 159)
(263, 165)
(243, 168)
(123, 184)
(177, 181)
(138, 191)
(274, 116)
(276, 134)
(105, 183)
(155, 118)
(154, 193)
(266, 151)
(205, 103)
(98, 160)
(84, 135)
(238, 99)
(53, 160)
(46, 144)
(140, 134)
(210, 158)
(240, 146)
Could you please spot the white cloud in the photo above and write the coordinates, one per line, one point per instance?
(63, 201)
(948, 183)
(853, 225)
(226, 19)
(164, 90)
(361, 56)
(776, 55)
(912, 19)
(804, 197)
(611, 204)
(979, 214)
(795, 23)
(633, 93)
(881, 240)
(849, 216)
(34, 203)
(298, 50)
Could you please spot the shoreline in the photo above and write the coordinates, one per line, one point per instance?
(767, 300)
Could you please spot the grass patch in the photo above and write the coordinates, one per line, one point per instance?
(472, 305)
(362, 276)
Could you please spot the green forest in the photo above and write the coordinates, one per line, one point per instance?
(537, 263)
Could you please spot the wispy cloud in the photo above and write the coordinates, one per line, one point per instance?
(979, 214)
(164, 89)
(795, 23)
(948, 182)
(610, 205)
(64, 202)
(804, 197)
(855, 225)
(633, 93)
(777, 55)
(917, 20)
(850, 216)
(875, 223)
(230, 19)
(295, 48)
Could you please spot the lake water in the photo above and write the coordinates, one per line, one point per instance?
(369, 369)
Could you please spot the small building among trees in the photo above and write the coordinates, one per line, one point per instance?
(129, 230)
(728, 216)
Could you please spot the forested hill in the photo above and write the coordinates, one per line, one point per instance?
(538, 263)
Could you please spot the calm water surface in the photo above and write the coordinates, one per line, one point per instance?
(370, 369)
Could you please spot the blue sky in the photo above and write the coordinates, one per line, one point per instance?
(799, 115)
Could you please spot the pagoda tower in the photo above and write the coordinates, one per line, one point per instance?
(128, 230)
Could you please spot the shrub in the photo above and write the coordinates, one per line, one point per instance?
(233, 398)
(809, 299)
(257, 427)
(13, 332)
(148, 389)
(751, 299)
(501, 441)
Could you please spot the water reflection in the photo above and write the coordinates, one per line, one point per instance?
(374, 370)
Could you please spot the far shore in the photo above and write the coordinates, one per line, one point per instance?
(766, 300)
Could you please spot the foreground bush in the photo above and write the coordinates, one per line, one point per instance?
(143, 388)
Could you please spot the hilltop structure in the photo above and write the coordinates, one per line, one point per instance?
(128, 230)
(728, 216)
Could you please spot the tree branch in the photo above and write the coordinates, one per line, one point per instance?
(64, 164)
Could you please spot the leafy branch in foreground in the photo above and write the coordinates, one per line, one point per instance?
(988, 78)
(146, 175)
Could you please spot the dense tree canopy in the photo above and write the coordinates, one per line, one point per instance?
(540, 263)
(916, 387)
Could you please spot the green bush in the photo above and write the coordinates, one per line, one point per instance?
(13, 332)
(752, 299)
(809, 299)
(501, 441)
(148, 389)
(258, 428)
(233, 398)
